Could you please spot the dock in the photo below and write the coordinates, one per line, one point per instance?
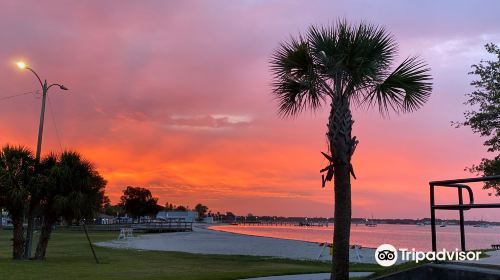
(282, 223)
(148, 227)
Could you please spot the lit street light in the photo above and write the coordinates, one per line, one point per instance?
(45, 88)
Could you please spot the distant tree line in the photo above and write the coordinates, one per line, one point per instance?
(137, 202)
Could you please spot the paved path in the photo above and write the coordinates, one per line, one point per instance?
(492, 259)
(316, 276)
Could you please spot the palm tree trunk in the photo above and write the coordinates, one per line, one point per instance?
(30, 229)
(18, 237)
(342, 223)
(341, 147)
(45, 232)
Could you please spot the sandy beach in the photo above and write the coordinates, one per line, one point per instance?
(206, 241)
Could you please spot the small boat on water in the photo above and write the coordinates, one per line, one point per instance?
(443, 224)
(370, 223)
(482, 224)
(423, 222)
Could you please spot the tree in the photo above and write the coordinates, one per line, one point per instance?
(139, 202)
(111, 210)
(201, 210)
(181, 208)
(114, 210)
(485, 120)
(169, 206)
(230, 216)
(345, 64)
(47, 190)
(16, 176)
(71, 188)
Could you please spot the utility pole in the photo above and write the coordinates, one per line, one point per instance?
(31, 218)
(42, 120)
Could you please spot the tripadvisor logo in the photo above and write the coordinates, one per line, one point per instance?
(387, 255)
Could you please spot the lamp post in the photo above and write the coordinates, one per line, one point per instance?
(45, 89)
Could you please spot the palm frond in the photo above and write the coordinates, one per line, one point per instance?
(296, 83)
(351, 61)
(406, 89)
(16, 177)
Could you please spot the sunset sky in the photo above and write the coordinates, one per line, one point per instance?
(175, 96)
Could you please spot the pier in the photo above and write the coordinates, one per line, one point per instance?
(148, 227)
(282, 223)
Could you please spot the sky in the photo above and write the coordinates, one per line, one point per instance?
(175, 96)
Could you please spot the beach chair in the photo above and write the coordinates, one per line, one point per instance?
(126, 233)
(357, 252)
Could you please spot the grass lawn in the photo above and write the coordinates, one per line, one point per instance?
(69, 257)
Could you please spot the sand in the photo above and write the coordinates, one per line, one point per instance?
(206, 241)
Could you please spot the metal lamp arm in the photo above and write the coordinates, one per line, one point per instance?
(38, 77)
(59, 85)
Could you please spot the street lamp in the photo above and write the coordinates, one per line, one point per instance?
(45, 88)
(21, 65)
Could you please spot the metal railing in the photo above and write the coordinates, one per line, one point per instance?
(460, 185)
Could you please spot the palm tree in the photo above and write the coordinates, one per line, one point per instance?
(16, 176)
(202, 210)
(47, 189)
(345, 64)
(73, 190)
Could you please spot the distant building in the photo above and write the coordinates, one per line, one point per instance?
(103, 219)
(122, 220)
(182, 216)
(208, 220)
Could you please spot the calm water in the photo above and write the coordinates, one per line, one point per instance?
(402, 236)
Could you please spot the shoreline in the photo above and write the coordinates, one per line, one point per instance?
(493, 257)
(210, 227)
(204, 240)
(478, 238)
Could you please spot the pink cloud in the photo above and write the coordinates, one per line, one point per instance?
(176, 96)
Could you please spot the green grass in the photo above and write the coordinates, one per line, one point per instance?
(69, 257)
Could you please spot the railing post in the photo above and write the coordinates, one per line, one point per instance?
(457, 183)
(462, 228)
(433, 218)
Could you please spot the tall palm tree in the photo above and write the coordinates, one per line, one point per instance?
(47, 189)
(345, 65)
(74, 190)
(16, 176)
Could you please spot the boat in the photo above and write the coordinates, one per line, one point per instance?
(482, 224)
(443, 224)
(370, 223)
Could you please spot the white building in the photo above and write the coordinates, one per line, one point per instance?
(208, 220)
(183, 216)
